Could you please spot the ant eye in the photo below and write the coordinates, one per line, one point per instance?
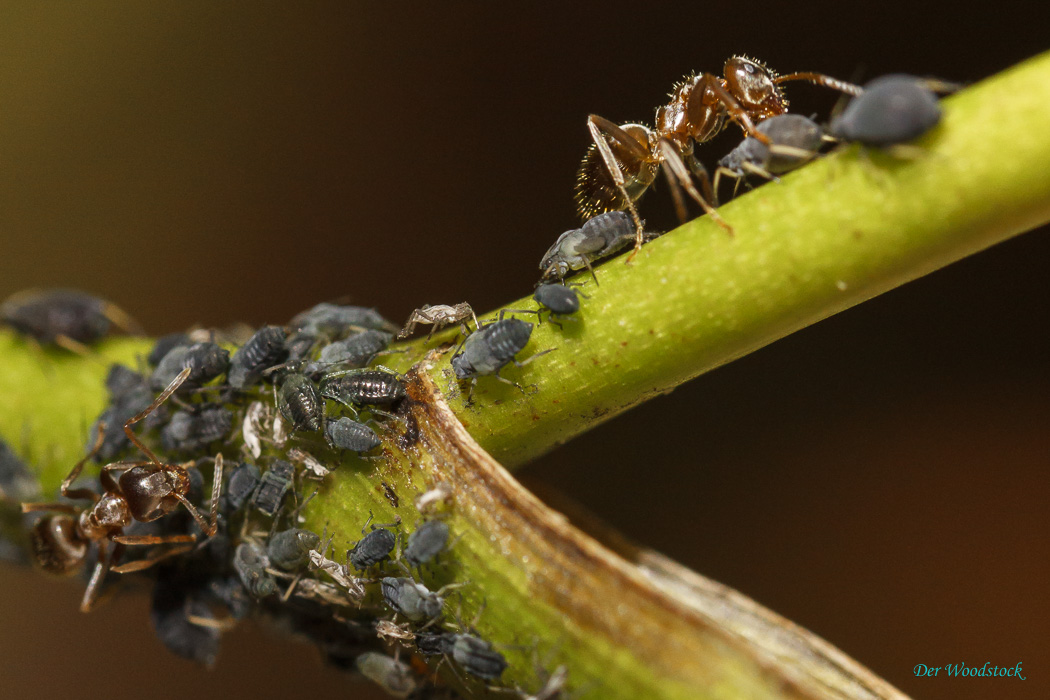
(749, 68)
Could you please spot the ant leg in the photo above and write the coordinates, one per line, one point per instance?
(206, 528)
(142, 540)
(175, 384)
(676, 194)
(65, 489)
(673, 160)
(700, 173)
(597, 125)
(97, 576)
(52, 507)
(822, 80)
(736, 112)
(142, 564)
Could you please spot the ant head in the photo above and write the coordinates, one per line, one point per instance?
(56, 547)
(753, 85)
(151, 489)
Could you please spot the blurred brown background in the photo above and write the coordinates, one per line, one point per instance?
(880, 478)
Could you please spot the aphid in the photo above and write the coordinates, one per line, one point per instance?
(334, 321)
(205, 361)
(300, 403)
(435, 644)
(250, 563)
(426, 542)
(439, 316)
(373, 548)
(273, 487)
(892, 109)
(600, 237)
(240, 485)
(64, 317)
(129, 395)
(395, 677)
(17, 482)
(310, 463)
(176, 614)
(164, 345)
(290, 549)
(355, 351)
(411, 599)
(299, 346)
(347, 434)
(192, 432)
(478, 658)
(559, 299)
(492, 347)
(367, 387)
(794, 141)
(144, 492)
(623, 160)
(263, 350)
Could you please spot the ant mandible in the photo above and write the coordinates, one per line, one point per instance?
(144, 491)
(623, 161)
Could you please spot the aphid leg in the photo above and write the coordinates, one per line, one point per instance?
(122, 319)
(175, 384)
(151, 560)
(74, 346)
(599, 128)
(728, 173)
(216, 489)
(590, 269)
(761, 172)
(673, 160)
(822, 80)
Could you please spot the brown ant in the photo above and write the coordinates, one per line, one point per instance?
(623, 161)
(144, 492)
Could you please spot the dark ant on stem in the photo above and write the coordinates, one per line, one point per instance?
(144, 492)
(624, 159)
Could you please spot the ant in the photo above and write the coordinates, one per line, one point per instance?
(623, 161)
(144, 492)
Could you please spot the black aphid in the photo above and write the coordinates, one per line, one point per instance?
(411, 599)
(478, 658)
(300, 403)
(61, 315)
(426, 542)
(263, 350)
(206, 361)
(355, 351)
(370, 387)
(600, 237)
(435, 644)
(334, 321)
(795, 140)
(559, 299)
(164, 345)
(290, 549)
(373, 548)
(172, 607)
(488, 350)
(250, 562)
(17, 483)
(347, 434)
(273, 487)
(240, 485)
(892, 109)
(191, 432)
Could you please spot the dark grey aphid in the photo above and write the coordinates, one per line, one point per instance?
(172, 605)
(299, 346)
(373, 548)
(370, 387)
(411, 599)
(488, 350)
(892, 109)
(435, 644)
(347, 434)
(164, 345)
(600, 237)
(250, 562)
(51, 316)
(191, 432)
(206, 361)
(17, 483)
(300, 403)
(290, 549)
(795, 141)
(395, 677)
(558, 298)
(273, 487)
(355, 351)
(334, 321)
(120, 379)
(426, 542)
(240, 485)
(230, 592)
(478, 658)
(263, 350)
